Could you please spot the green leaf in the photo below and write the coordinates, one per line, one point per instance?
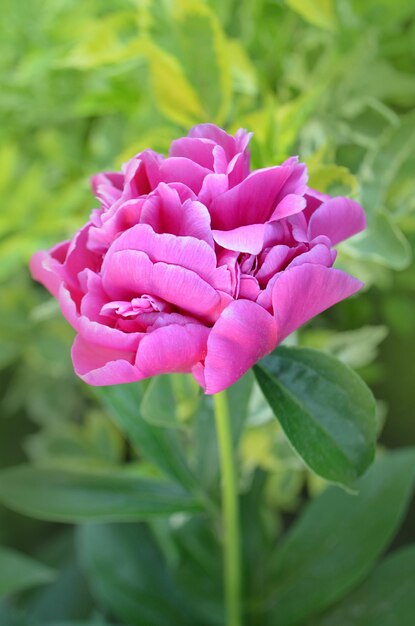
(386, 597)
(333, 179)
(382, 242)
(18, 572)
(54, 602)
(68, 496)
(317, 12)
(170, 400)
(94, 621)
(244, 77)
(162, 446)
(383, 163)
(203, 52)
(100, 44)
(94, 444)
(8, 615)
(199, 570)
(158, 403)
(173, 93)
(357, 348)
(325, 409)
(128, 576)
(334, 544)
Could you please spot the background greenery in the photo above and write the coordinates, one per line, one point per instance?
(84, 85)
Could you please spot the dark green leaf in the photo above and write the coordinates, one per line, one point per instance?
(8, 615)
(128, 576)
(69, 496)
(337, 540)
(325, 409)
(199, 570)
(18, 572)
(92, 622)
(160, 445)
(54, 602)
(159, 405)
(387, 597)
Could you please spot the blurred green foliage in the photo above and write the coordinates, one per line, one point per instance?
(84, 85)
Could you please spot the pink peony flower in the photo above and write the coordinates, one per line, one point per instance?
(194, 264)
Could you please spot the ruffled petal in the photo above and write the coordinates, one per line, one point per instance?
(338, 219)
(172, 348)
(101, 366)
(131, 273)
(199, 150)
(243, 334)
(46, 266)
(167, 212)
(302, 292)
(187, 252)
(256, 197)
(291, 204)
(213, 185)
(249, 239)
(94, 331)
(182, 170)
(319, 254)
(216, 135)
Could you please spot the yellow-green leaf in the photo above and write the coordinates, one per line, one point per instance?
(174, 95)
(317, 12)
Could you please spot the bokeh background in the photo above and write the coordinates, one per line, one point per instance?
(85, 85)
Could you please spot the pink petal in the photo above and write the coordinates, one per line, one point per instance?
(299, 227)
(338, 219)
(314, 200)
(46, 266)
(274, 261)
(238, 168)
(213, 185)
(303, 292)
(188, 252)
(242, 139)
(126, 215)
(166, 212)
(80, 257)
(291, 204)
(248, 239)
(100, 366)
(94, 331)
(199, 150)
(249, 287)
(217, 135)
(220, 160)
(131, 273)
(107, 187)
(173, 348)
(142, 174)
(255, 198)
(182, 170)
(242, 335)
(319, 254)
(228, 272)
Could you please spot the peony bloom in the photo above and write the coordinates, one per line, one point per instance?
(194, 264)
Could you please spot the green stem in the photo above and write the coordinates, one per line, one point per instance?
(232, 571)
